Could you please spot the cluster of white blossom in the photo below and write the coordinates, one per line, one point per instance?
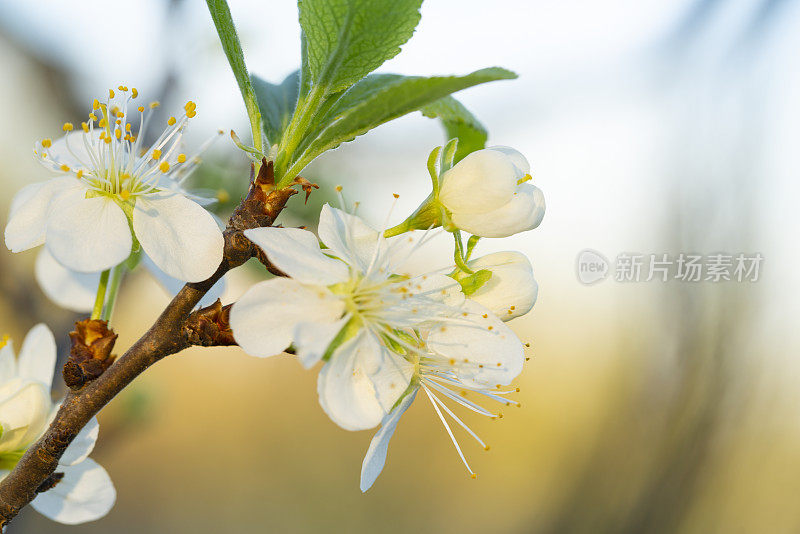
(347, 300)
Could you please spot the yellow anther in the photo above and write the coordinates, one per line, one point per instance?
(156, 154)
(154, 104)
(103, 134)
(171, 121)
(128, 127)
(64, 167)
(122, 88)
(93, 116)
(4, 340)
(119, 114)
(118, 121)
(474, 476)
(125, 194)
(118, 133)
(140, 109)
(46, 143)
(191, 114)
(223, 196)
(107, 140)
(524, 179)
(95, 104)
(110, 93)
(181, 158)
(103, 123)
(164, 167)
(134, 93)
(486, 448)
(67, 127)
(85, 127)
(80, 173)
(133, 138)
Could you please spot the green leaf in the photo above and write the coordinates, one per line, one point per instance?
(277, 103)
(223, 21)
(347, 39)
(458, 123)
(378, 99)
(470, 284)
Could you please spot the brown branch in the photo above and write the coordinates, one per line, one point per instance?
(34, 472)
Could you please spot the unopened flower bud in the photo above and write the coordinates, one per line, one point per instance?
(487, 194)
(512, 290)
(90, 354)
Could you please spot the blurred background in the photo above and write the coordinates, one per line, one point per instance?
(652, 127)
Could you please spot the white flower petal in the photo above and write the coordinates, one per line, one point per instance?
(23, 414)
(312, 339)
(494, 353)
(524, 212)
(37, 357)
(296, 252)
(179, 235)
(88, 234)
(263, 320)
(172, 285)
(356, 386)
(27, 219)
(512, 290)
(69, 289)
(516, 157)
(8, 363)
(347, 237)
(483, 181)
(83, 444)
(86, 493)
(375, 458)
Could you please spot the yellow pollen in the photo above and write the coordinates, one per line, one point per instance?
(103, 134)
(338, 188)
(485, 316)
(107, 140)
(110, 93)
(156, 154)
(93, 116)
(154, 104)
(120, 114)
(223, 196)
(67, 126)
(191, 114)
(134, 93)
(4, 340)
(125, 194)
(474, 476)
(171, 121)
(491, 328)
(181, 158)
(65, 168)
(79, 174)
(164, 167)
(524, 179)
(85, 127)
(118, 133)
(96, 104)
(46, 143)
(122, 88)
(128, 127)
(512, 307)
(486, 448)
(141, 109)
(118, 122)
(103, 123)
(452, 361)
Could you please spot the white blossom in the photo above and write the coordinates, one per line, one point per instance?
(85, 492)
(111, 192)
(344, 304)
(487, 193)
(470, 356)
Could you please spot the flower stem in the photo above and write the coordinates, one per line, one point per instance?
(458, 254)
(101, 295)
(116, 279)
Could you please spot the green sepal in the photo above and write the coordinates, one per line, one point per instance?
(473, 282)
(347, 332)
